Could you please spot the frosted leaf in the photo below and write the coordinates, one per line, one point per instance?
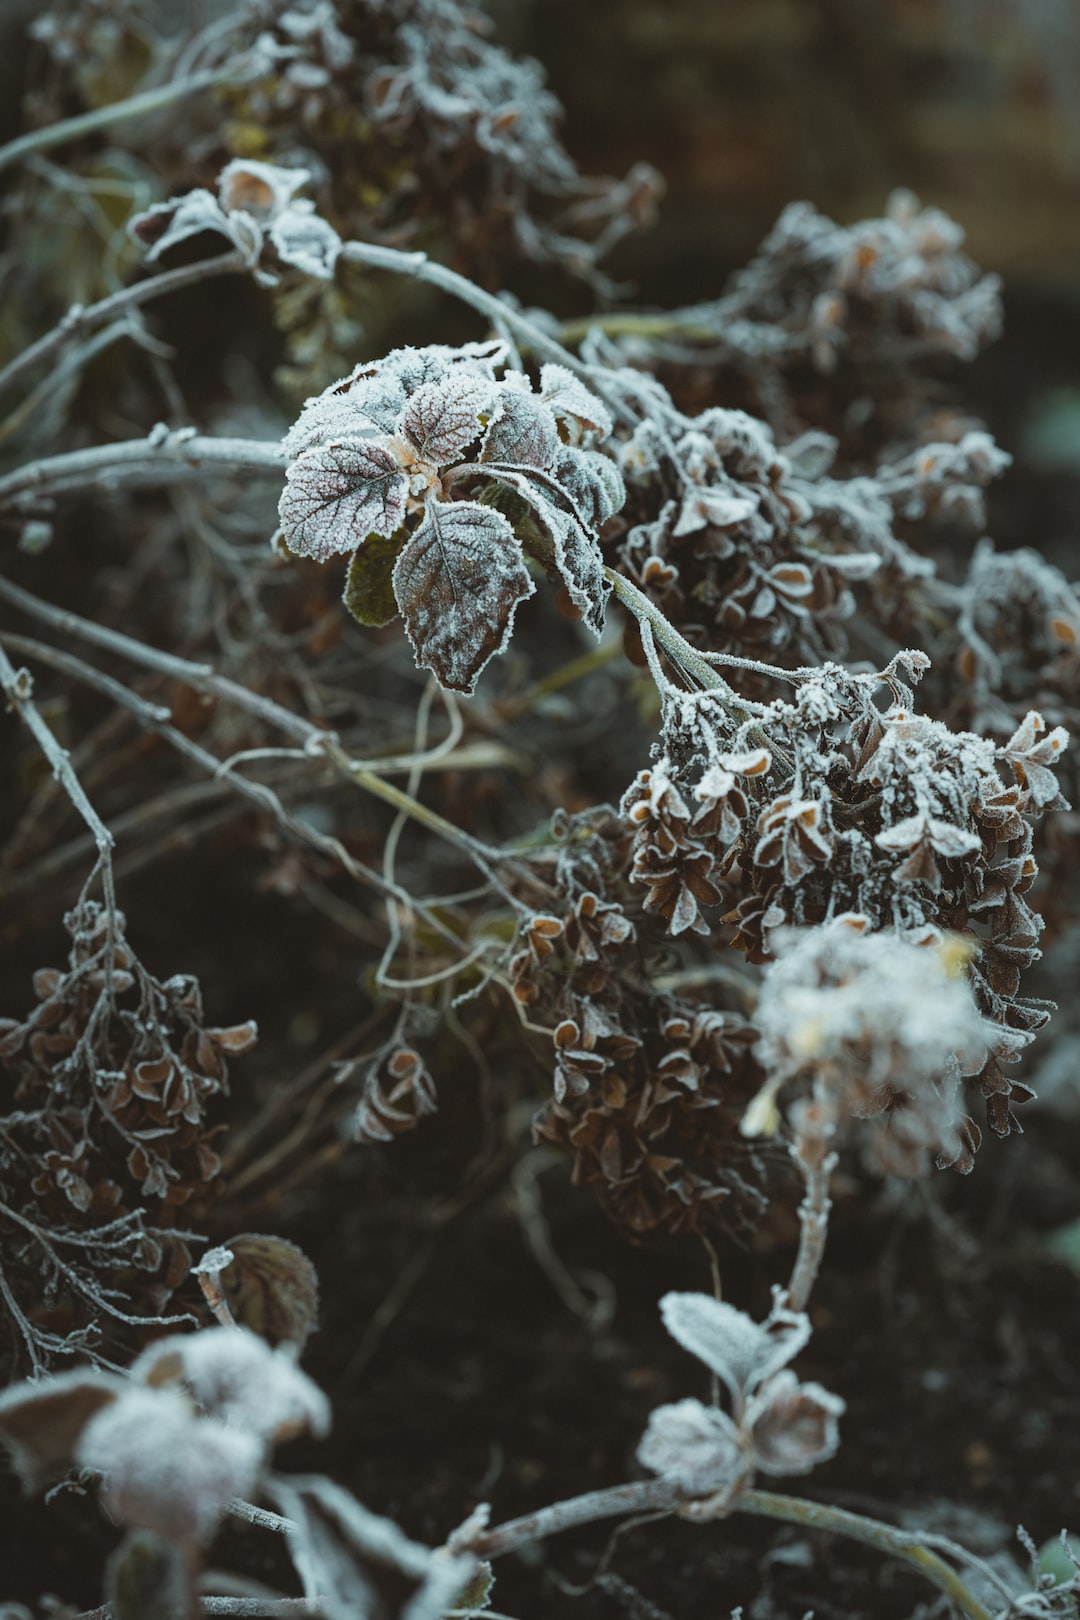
(793, 1426)
(367, 402)
(357, 1565)
(739, 1350)
(458, 582)
(704, 504)
(335, 495)
(166, 1469)
(949, 840)
(371, 398)
(574, 554)
(593, 483)
(167, 223)
(237, 1377)
(301, 238)
(570, 400)
(521, 433)
(263, 190)
(41, 1420)
(442, 418)
(696, 1446)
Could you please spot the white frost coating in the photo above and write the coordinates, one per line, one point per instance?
(237, 1377)
(741, 1352)
(254, 200)
(696, 1446)
(793, 1426)
(442, 418)
(335, 495)
(167, 1469)
(872, 1002)
(458, 582)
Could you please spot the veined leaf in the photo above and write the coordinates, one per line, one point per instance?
(335, 495)
(458, 582)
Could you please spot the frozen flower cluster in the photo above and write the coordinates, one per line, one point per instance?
(883, 1028)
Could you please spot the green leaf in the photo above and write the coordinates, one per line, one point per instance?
(369, 591)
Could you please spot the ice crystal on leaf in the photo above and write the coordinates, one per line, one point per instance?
(465, 470)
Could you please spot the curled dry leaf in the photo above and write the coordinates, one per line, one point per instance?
(795, 1427)
(271, 1288)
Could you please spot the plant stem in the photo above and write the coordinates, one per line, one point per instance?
(421, 268)
(660, 1495)
(147, 101)
(872, 1533)
(17, 686)
(675, 645)
(641, 1496)
(79, 319)
(625, 323)
(156, 459)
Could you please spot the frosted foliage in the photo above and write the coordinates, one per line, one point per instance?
(358, 1565)
(235, 1376)
(571, 402)
(442, 418)
(371, 399)
(256, 202)
(741, 1352)
(794, 1426)
(166, 1469)
(336, 495)
(307, 242)
(696, 1446)
(457, 582)
(819, 285)
(382, 452)
(843, 1002)
(522, 432)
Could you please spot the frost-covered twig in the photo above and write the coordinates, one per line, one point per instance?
(80, 319)
(497, 310)
(159, 458)
(650, 1496)
(17, 686)
(118, 112)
